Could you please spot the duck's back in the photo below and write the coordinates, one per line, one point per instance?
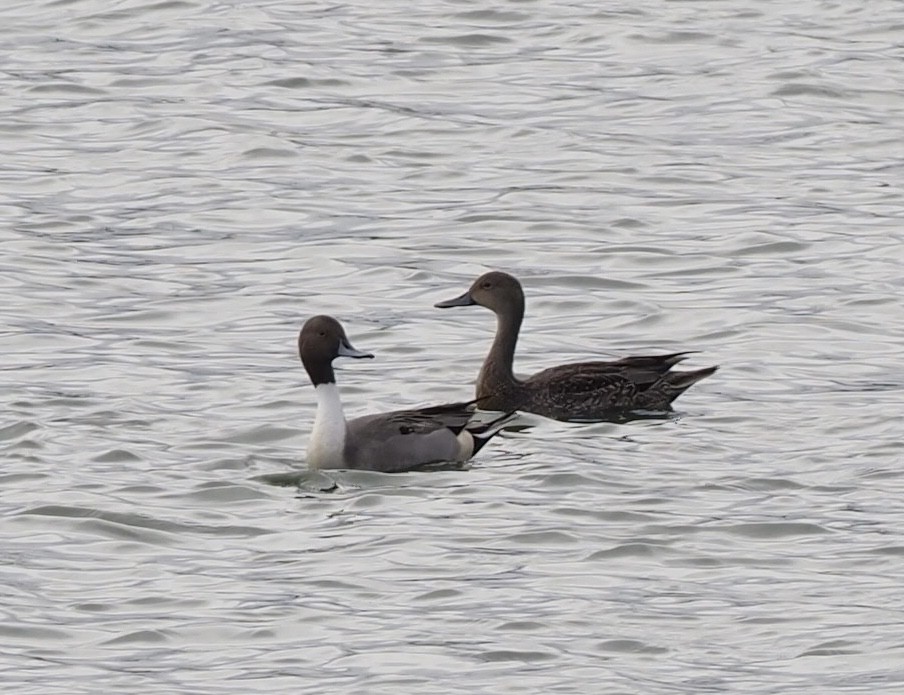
(590, 390)
(583, 390)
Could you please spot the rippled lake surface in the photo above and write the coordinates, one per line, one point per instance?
(183, 183)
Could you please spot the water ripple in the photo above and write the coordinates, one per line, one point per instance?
(184, 182)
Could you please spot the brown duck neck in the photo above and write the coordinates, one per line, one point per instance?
(497, 374)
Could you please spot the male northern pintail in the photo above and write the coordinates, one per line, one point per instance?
(390, 442)
(578, 391)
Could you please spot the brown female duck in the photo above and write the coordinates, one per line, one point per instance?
(578, 391)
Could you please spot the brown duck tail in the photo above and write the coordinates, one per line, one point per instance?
(677, 357)
(679, 382)
(656, 363)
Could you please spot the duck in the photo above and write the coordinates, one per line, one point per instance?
(400, 440)
(597, 390)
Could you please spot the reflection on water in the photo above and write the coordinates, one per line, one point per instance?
(183, 184)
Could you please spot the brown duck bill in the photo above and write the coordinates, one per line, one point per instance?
(464, 300)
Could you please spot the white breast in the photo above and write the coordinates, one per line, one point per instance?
(327, 440)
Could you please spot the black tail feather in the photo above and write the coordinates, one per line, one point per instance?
(486, 431)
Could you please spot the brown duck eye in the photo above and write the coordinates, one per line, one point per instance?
(487, 285)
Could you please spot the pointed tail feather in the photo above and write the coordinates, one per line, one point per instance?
(679, 382)
(486, 431)
(658, 363)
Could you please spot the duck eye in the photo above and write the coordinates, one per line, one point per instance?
(323, 334)
(487, 285)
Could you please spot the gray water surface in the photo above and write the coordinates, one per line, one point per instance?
(183, 183)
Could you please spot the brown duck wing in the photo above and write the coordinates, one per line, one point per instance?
(590, 390)
(584, 389)
(586, 377)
